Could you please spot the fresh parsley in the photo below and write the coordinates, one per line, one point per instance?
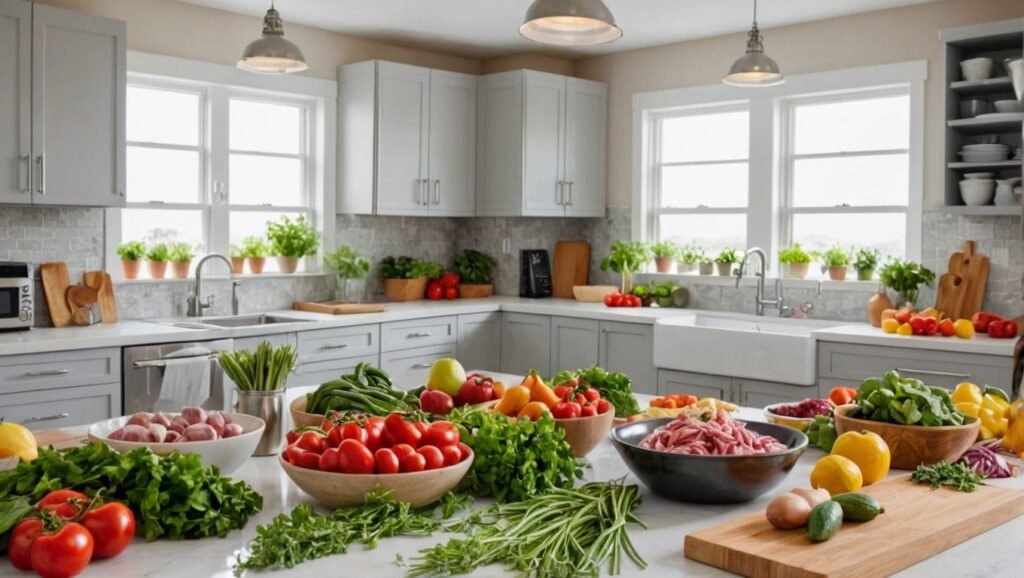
(959, 476)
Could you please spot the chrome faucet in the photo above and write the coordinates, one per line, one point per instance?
(760, 300)
(195, 303)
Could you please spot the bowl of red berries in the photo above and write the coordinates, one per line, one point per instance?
(416, 461)
(797, 415)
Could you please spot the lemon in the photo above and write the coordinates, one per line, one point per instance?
(964, 328)
(16, 440)
(836, 474)
(905, 330)
(890, 325)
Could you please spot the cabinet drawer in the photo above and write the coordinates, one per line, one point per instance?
(856, 363)
(318, 372)
(62, 407)
(339, 343)
(758, 394)
(59, 369)
(419, 333)
(409, 368)
(276, 340)
(694, 384)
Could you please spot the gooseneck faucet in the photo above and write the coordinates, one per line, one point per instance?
(760, 300)
(196, 305)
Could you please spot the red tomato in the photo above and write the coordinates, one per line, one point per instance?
(452, 455)
(112, 526)
(354, 458)
(19, 549)
(432, 456)
(566, 410)
(65, 503)
(334, 437)
(292, 437)
(312, 441)
(591, 394)
(451, 293)
(1002, 329)
(434, 291)
(414, 462)
(614, 300)
(308, 460)
(562, 391)
(465, 450)
(946, 328)
(931, 325)
(436, 402)
(441, 434)
(421, 427)
(403, 450)
(352, 431)
(63, 553)
(330, 461)
(609, 299)
(385, 462)
(1010, 328)
(375, 433)
(400, 431)
(588, 410)
(603, 405)
(982, 319)
(635, 301)
(917, 323)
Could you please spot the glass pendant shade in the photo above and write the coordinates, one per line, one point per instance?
(271, 53)
(570, 23)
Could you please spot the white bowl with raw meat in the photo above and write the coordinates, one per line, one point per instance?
(723, 461)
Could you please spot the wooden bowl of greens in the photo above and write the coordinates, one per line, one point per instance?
(912, 445)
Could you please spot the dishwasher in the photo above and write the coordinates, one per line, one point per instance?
(146, 366)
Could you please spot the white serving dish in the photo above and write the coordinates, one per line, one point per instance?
(976, 68)
(972, 176)
(1007, 106)
(228, 454)
(977, 192)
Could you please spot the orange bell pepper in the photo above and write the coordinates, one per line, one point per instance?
(842, 395)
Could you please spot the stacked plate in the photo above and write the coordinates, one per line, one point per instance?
(984, 153)
(1019, 154)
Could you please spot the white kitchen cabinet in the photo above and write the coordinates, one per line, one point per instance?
(853, 363)
(409, 368)
(480, 341)
(698, 384)
(541, 145)
(574, 343)
(452, 165)
(403, 124)
(525, 343)
(15, 101)
(629, 348)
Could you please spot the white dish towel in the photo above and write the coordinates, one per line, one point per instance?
(186, 380)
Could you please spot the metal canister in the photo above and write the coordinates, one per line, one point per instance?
(268, 406)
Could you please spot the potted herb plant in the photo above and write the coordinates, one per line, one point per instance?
(865, 262)
(259, 378)
(837, 260)
(291, 241)
(725, 261)
(131, 253)
(156, 260)
(688, 259)
(476, 271)
(352, 269)
(905, 278)
(706, 265)
(255, 251)
(626, 259)
(405, 278)
(237, 259)
(180, 255)
(665, 254)
(795, 262)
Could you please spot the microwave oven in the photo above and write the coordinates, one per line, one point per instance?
(16, 296)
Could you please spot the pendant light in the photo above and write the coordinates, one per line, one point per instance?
(570, 23)
(271, 53)
(755, 68)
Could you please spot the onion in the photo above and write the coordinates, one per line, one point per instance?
(986, 463)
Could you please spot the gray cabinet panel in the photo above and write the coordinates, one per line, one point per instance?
(856, 363)
(338, 343)
(750, 393)
(574, 343)
(418, 333)
(629, 348)
(409, 368)
(15, 102)
(525, 343)
(480, 341)
(694, 384)
(316, 373)
(62, 407)
(40, 371)
(276, 340)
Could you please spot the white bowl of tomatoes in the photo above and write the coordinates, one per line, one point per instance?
(417, 462)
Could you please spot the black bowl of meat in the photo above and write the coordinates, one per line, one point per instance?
(721, 461)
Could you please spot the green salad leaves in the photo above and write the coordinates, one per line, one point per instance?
(906, 401)
(617, 388)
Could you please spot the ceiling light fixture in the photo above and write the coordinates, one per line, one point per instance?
(271, 53)
(570, 23)
(755, 68)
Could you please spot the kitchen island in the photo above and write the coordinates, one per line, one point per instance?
(993, 554)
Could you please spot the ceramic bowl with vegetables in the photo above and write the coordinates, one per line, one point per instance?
(797, 415)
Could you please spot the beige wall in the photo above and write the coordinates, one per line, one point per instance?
(897, 35)
(540, 62)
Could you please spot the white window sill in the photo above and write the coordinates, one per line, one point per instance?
(749, 281)
(243, 277)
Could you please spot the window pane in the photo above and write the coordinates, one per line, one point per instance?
(254, 224)
(265, 127)
(167, 175)
(705, 137)
(883, 231)
(162, 116)
(259, 180)
(690, 186)
(853, 125)
(709, 232)
(856, 181)
(162, 226)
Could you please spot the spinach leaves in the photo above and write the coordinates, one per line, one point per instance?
(906, 401)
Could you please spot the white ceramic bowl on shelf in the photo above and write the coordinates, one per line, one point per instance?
(976, 68)
(1007, 106)
(977, 192)
(973, 176)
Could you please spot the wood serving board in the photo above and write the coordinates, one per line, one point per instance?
(54, 277)
(918, 523)
(571, 267)
(101, 282)
(972, 268)
(339, 307)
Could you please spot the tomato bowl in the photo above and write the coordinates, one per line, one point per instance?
(584, 433)
(336, 490)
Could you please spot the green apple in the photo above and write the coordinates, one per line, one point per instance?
(446, 375)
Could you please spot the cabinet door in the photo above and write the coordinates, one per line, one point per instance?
(64, 407)
(543, 193)
(409, 368)
(78, 108)
(698, 384)
(480, 341)
(525, 343)
(629, 348)
(586, 113)
(500, 145)
(452, 144)
(15, 101)
(758, 394)
(574, 343)
(403, 109)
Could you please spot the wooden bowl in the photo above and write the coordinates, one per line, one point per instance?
(336, 490)
(913, 445)
(584, 433)
(592, 293)
(300, 418)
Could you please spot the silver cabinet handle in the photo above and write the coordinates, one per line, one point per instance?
(53, 417)
(420, 334)
(437, 192)
(47, 372)
(560, 193)
(422, 365)
(930, 372)
(572, 193)
(28, 174)
(41, 185)
(163, 362)
(334, 346)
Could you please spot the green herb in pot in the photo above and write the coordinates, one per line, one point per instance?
(795, 254)
(347, 263)
(159, 252)
(290, 238)
(475, 268)
(254, 248)
(626, 259)
(265, 370)
(131, 250)
(865, 262)
(905, 278)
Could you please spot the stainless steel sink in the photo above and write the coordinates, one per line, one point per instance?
(254, 320)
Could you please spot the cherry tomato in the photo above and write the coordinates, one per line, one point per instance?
(603, 405)
(588, 410)
(63, 553)
(609, 299)
(354, 458)
(931, 325)
(330, 461)
(421, 427)
(562, 391)
(451, 293)
(441, 434)
(19, 549)
(432, 456)
(385, 462)
(566, 410)
(292, 453)
(580, 399)
(400, 431)
(334, 437)
(292, 437)
(112, 526)
(591, 394)
(311, 441)
(466, 452)
(352, 431)
(375, 433)
(414, 462)
(435, 291)
(65, 503)
(452, 455)
(403, 450)
(308, 460)
(635, 301)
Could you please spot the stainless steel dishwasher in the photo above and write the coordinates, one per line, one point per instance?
(144, 369)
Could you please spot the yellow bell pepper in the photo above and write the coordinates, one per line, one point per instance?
(993, 424)
(967, 392)
(967, 408)
(866, 449)
(1014, 437)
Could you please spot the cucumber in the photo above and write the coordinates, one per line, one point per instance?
(825, 520)
(858, 507)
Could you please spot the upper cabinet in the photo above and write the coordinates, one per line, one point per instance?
(542, 145)
(62, 107)
(407, 140)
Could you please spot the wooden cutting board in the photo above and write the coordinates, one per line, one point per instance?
(339, 307)
(972, 268)
(571, 267)
(100, 281)
(918, 523)
(55, 281)
(949, 294)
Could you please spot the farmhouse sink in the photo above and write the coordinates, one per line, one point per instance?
(746, 346)
(227, 321)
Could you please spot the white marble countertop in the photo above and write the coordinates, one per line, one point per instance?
(864, 334)
(993, 554)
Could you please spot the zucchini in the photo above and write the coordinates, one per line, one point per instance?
(858, 507)
(825, 520)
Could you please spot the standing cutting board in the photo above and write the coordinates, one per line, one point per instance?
(918, 523)
(339, 307)
(972, 269)
(949, 295)
(571, 267)
(100, 281)
(55, 281)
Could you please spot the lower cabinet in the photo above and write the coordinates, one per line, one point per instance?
(409, 368)
(749, 393)
(62, 407)
(851, 364)
(694, 384)
(480, 341)
(276, 340)
(525, 343)
(574, 343)
(629, 348)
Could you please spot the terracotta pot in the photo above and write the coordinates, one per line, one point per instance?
(475, 291)
(256, 264)
(685, 267)
(405, 289)
(287, 264)
(664, 264)
(179, 269)
(238, 265)
(157, 269)
(130, 269)
(837, 273)
(797, 270)
(706, 268)
(724, 269)
(865, 274)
